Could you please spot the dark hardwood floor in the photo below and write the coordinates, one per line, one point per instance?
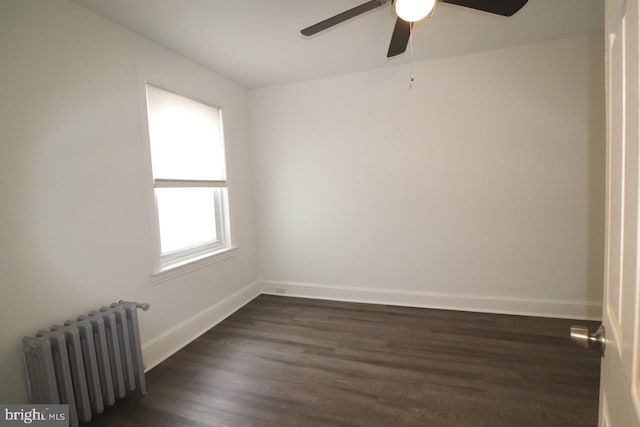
(296, 362)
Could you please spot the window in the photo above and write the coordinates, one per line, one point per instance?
(189, 177)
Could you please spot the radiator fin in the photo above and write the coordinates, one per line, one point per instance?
(113, 348)
(125, 347)
(63, 372)
(102, 355)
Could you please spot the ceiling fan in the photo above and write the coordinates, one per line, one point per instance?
(410, 11)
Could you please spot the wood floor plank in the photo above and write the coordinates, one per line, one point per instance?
(296, 362)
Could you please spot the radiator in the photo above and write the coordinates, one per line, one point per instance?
(87, 363)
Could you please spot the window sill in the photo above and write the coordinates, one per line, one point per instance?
(178, 269)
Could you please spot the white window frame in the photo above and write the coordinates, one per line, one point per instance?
(177, 263)
(187, 254)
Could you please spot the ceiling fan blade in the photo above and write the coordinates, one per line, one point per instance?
(499, 7)
(341, 17)
(400, 38)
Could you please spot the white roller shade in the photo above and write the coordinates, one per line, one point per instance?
(186, 137)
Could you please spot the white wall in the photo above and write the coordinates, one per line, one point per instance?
(482, 188)
(74, 231)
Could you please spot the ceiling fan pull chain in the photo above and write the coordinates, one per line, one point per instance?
(411, 77)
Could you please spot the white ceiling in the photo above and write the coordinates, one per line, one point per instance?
(258, 43)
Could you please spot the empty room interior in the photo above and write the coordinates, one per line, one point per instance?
(315, 213)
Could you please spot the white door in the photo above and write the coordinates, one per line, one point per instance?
(620, 380)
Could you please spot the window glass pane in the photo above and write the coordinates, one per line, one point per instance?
(186, 137)
(187, 217)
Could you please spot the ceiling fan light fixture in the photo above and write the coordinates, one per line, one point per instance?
(414, 10)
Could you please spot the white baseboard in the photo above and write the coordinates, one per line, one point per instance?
(503, 305)
(161, 347)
